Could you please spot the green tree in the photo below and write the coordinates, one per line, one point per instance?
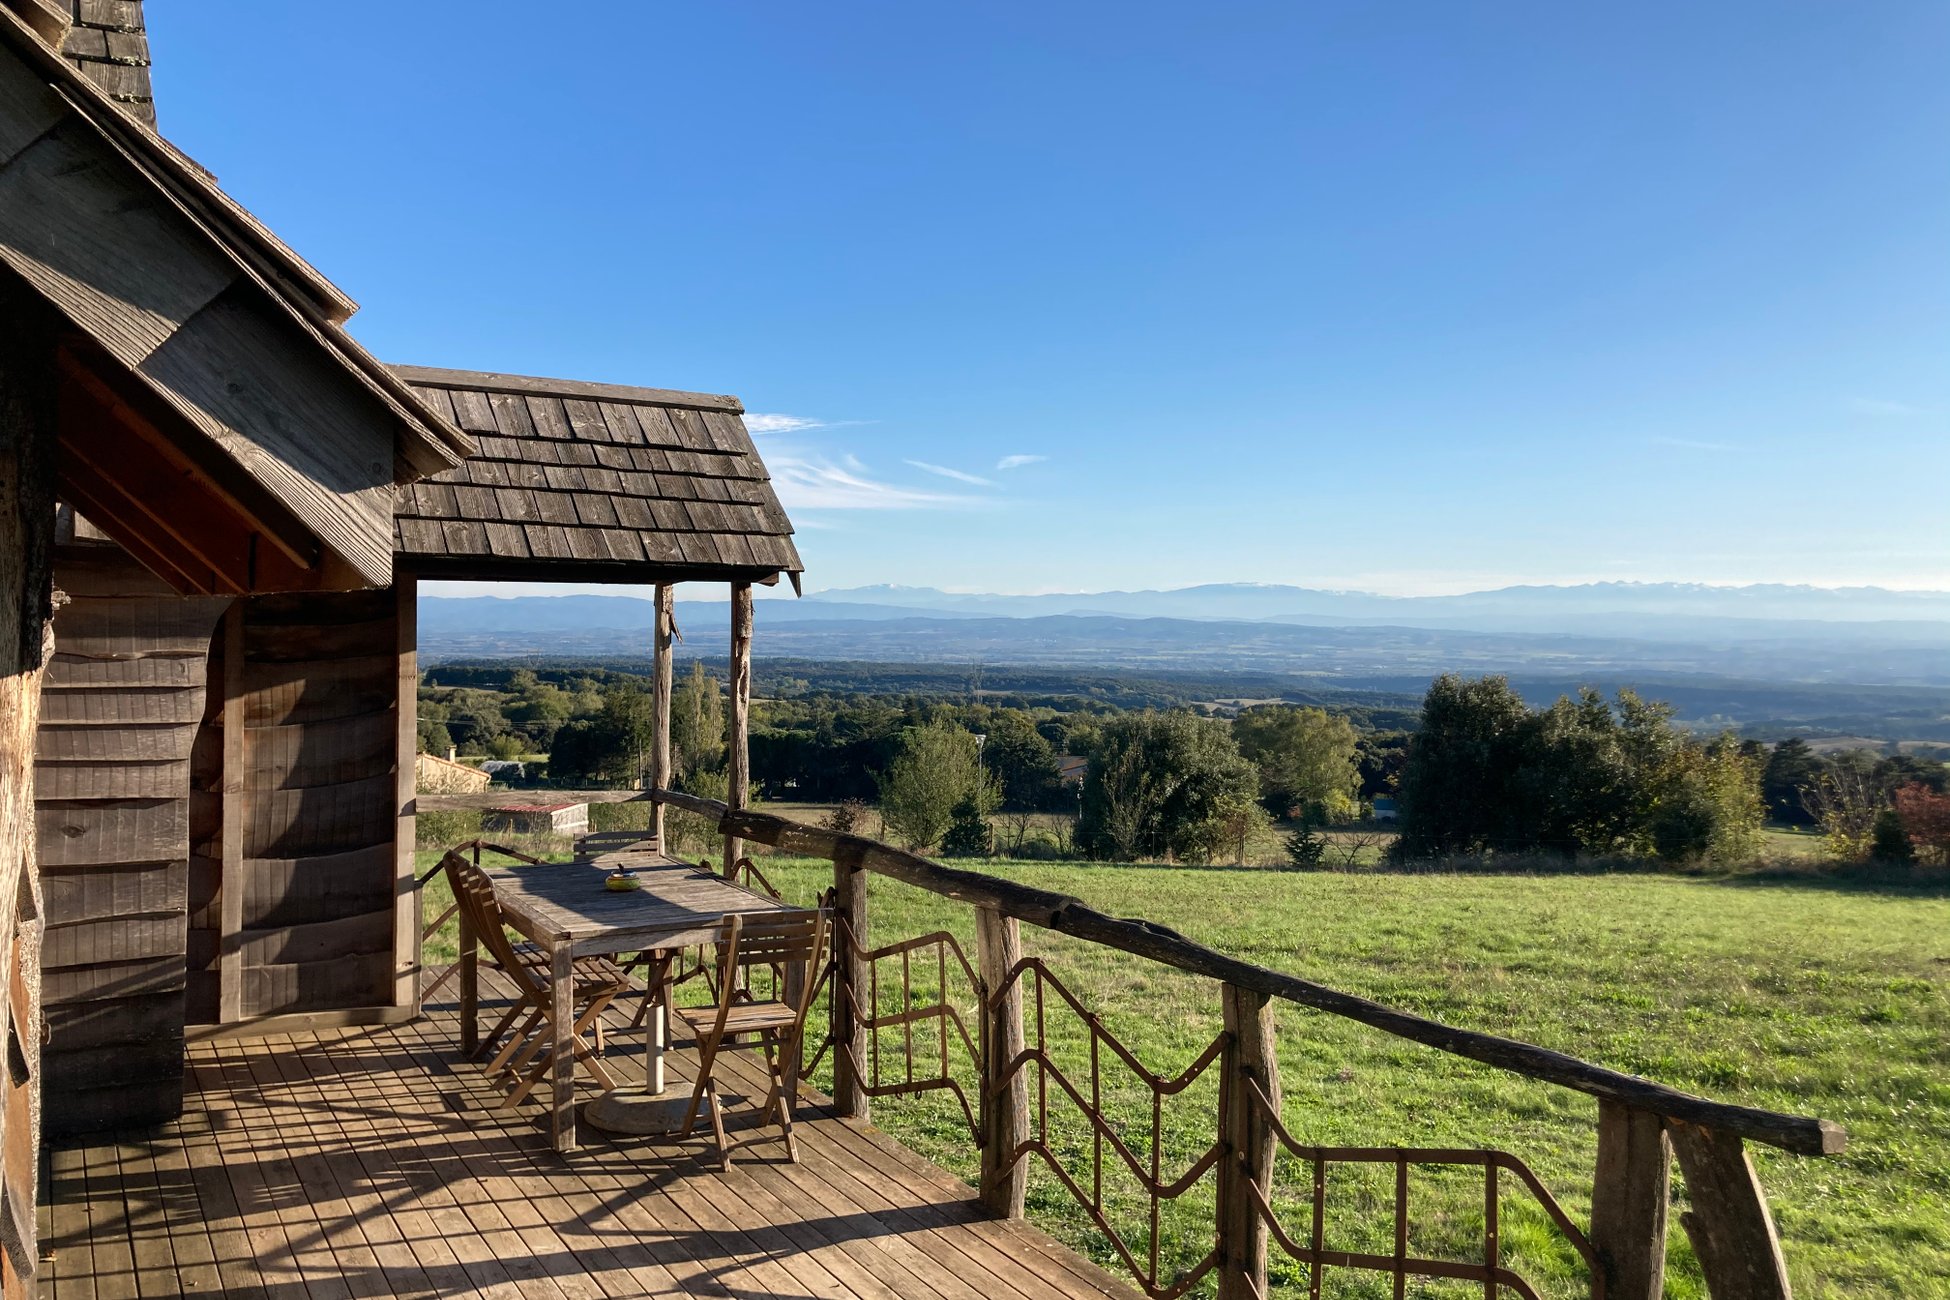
(1459, 784)
(938, 767)
(1022, 760)
(1791, 768)
(1708, 806)
(697, 725)
(1303, 755)
(1164, 784)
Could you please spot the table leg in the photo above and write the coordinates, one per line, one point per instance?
(562, 988)
(656, 1025)
(470, 989)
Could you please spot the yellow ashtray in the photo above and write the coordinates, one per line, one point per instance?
(622, 882)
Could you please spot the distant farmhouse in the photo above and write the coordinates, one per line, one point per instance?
(435, 775)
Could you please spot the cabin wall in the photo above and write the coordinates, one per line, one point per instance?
(297, 821)
(120, 707)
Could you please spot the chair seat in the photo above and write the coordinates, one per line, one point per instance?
(592, 973)
(744, 1018)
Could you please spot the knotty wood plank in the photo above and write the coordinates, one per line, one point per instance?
(286, 412)
(406, 899)
(121, 262)
(230, 888)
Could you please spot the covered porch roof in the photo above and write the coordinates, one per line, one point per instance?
(581, 482)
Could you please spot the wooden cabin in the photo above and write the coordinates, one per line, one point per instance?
(182, 381)
(270, 741)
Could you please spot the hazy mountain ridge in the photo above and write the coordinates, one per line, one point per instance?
(1267, 602)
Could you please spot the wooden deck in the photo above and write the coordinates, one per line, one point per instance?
(369, 1162)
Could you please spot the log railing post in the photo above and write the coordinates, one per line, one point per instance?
(1005, 1105)
(1729, 1224)
(850, 986)
(1249, 1142)
(1628, 1201)
(738, 766)
(660, 695)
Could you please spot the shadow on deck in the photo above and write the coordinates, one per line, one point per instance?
(372, 1162)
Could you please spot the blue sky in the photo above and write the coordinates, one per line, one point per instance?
(1410, 298)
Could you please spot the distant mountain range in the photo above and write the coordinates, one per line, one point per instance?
(1506, 609)
(1619, 631)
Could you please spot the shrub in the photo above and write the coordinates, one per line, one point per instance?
(1889, 842)
(1925, 817)
(849, 817)
(443, 830)
(939, 768)
(969, 833)
(1305, 849)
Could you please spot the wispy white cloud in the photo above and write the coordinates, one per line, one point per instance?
(1884, 407)
(813, 482)
(774, 423)
(1018, 461)
(960, 476)
(1691, 444)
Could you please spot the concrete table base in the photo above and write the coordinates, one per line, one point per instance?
(637, 1111)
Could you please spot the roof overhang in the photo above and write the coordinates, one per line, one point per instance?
(214, 418)
(574, 481)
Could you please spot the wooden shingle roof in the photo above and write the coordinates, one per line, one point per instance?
(592, 483)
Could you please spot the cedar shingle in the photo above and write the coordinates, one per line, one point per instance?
(511, 414)
(548, 417)
(473, 412)
(595, 479)
(595, 510)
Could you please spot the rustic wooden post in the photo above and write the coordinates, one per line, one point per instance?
(850, 985)
(1628, 1201)
(738, 743)
(1731, 1229)
(1249, 1141)
(407, 918)
(230, 879)
(1005, 1105)
(660, 704)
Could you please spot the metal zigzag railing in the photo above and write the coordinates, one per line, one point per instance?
(844, 1003)
(1400, 1265)
(1148, 1173)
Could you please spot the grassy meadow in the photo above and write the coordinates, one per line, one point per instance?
(1806, 995)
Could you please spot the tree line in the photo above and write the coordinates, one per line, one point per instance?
(1481, 773)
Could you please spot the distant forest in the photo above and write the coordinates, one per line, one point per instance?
(1770, 711)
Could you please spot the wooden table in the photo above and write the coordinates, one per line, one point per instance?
(565, 909)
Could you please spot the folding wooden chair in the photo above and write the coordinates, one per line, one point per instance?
(598, 981)
(791, 945)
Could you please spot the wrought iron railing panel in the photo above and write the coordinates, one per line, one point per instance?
(1147, 1172)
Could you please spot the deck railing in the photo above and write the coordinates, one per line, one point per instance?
(1642, 1125)
(1017, 1080)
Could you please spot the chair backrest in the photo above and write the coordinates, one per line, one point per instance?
(779, 941)
(474, 893)
(616, 841)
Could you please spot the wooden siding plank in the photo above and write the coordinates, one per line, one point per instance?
(321, 887)
(135, 830)
(95, 892)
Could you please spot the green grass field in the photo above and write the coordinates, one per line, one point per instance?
(1808, 996)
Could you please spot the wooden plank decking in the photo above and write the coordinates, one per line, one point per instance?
(369, 1162)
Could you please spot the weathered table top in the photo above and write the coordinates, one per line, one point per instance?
(678, 905)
